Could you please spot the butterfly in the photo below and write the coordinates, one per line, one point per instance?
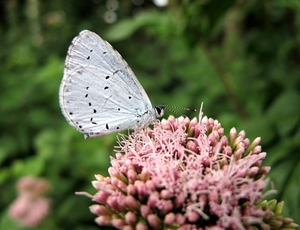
(99, 93)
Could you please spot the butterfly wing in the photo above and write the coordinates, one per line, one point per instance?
(99, 93)
(88, 49)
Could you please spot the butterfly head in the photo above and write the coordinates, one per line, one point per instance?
(159, 110)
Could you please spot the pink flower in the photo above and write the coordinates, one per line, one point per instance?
(30, 208)
(184, 174)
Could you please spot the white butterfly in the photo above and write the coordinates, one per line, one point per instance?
(99, 94)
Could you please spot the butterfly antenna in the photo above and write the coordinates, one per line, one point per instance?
(171, 108)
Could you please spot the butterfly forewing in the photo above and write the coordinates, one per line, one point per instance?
(88, 49)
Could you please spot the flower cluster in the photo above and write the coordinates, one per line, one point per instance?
(185, 174)
(31, 207)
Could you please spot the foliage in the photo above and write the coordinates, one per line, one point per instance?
(241, 58)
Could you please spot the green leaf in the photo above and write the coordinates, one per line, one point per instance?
(285, 111)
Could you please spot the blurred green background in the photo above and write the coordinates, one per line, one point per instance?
(240, 57)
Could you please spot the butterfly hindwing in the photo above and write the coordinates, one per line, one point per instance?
(92, 104)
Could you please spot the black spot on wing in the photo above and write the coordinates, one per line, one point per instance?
(87, 87)
(93, 121)
(88, 57)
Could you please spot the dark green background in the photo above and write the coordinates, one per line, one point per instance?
(241, 58)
